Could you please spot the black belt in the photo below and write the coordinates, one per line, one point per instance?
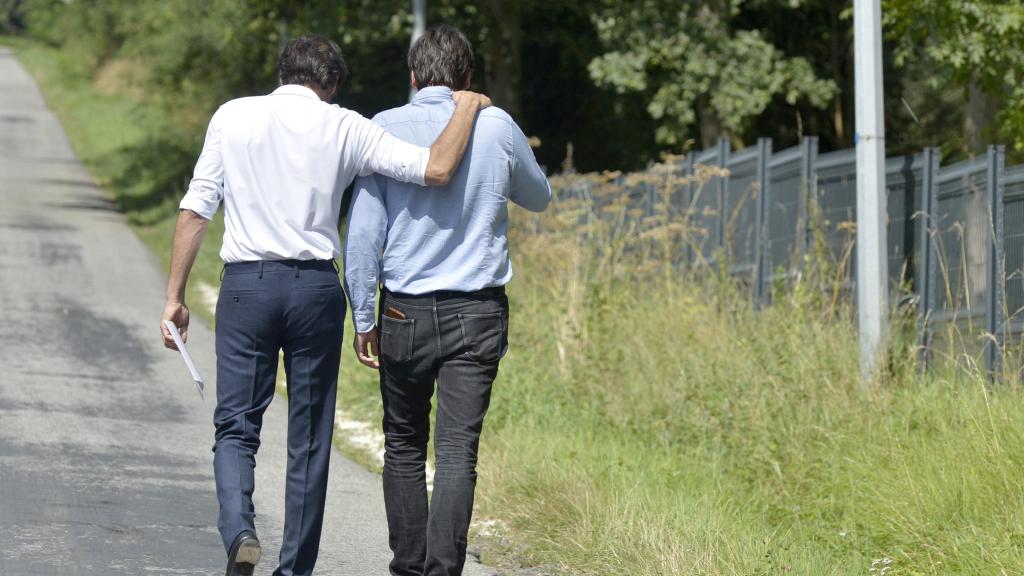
(492, 292)
(260, 266)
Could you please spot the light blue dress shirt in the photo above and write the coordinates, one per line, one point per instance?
(417, 240)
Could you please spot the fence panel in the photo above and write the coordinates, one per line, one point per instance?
(955, 233)
(904, 177)
(785, 214)
(836, 177)
(1013, 263)
(1013, 245)
(706, 206)
(961, 245)
(741, 213)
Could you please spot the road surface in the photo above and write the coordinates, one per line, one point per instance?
(105, 446)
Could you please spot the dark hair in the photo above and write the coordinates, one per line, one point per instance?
(442, 56)
(312, 60)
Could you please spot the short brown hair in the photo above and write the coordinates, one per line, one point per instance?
(442, 56)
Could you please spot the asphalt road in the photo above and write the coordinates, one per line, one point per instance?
(105, 460)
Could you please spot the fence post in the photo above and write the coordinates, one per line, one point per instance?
(809, 174)
(762, 218)
(688, 191)
(994, 262)
(723, 186)
(926, 255)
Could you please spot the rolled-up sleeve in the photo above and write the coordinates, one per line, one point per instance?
(382, 153)
(206, 190)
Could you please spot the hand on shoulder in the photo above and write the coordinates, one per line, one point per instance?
(481, 100)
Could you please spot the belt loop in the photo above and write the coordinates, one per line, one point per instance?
(261, 269)
(223, 269)
(296, 269)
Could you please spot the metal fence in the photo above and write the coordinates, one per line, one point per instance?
(955, 233)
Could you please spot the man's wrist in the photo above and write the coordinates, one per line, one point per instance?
(365, 326)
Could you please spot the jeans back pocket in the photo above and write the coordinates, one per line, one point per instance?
(484, 336)
(396, 338)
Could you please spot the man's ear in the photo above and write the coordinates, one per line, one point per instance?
(412, 80)
(469, 79)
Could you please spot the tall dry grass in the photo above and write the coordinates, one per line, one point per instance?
(648, 420)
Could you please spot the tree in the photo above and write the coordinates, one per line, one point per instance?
(696, 67)
(531, 59)
(974, 45)
(11, 17)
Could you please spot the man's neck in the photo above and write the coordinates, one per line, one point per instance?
(324, 95)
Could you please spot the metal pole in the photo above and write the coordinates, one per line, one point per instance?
(762, 220)
(926, 255)
(872, 269)
(419, 25)
(724, 149)
(994, 262)
(688, 192)
(808, 197)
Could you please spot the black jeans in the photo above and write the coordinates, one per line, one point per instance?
(266, 307)
(456, 339)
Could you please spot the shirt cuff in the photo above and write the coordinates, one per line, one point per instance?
(201, 206)
(421, 171)
(363, 320)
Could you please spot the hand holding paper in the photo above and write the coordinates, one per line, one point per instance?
(176, 312)
(185, 355)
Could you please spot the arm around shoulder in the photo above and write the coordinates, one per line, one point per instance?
(447, 151)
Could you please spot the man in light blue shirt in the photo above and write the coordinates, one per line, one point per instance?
(443, 261)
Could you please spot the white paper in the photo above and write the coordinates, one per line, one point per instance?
(184, 354)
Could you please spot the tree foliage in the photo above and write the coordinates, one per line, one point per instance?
(975, 45)
(695, 65)
(620, 81)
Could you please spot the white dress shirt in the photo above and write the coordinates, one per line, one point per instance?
(280, 163)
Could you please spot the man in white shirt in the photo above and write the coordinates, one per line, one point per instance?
(280, 163)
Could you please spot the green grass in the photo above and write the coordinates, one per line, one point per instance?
(653, 423)
(649, 423)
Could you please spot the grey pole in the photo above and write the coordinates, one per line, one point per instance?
(994, 268)
(927, 262)
(872, 271)
(419, 25)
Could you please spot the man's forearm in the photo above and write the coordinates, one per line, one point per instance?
(448, 149)
(361, 286)
(188, 236)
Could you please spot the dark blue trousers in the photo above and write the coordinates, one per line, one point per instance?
(264, 308)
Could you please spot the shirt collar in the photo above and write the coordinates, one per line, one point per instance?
(295, 90)
(432, 92)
